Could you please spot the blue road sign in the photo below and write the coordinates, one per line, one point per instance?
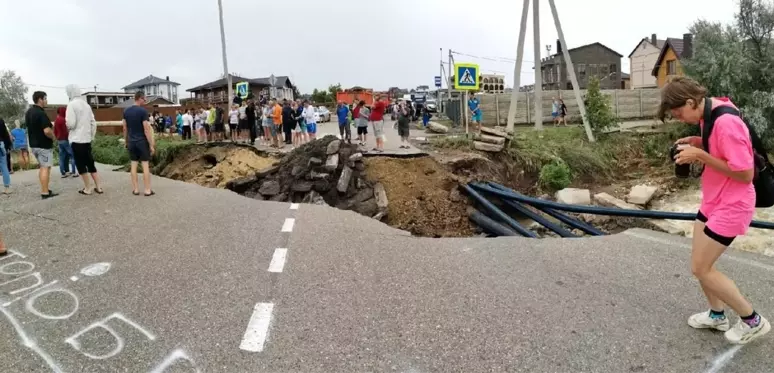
(241, 89)
(466, 76)
(438, 81)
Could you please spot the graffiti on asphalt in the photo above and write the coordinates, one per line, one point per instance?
(26, 286)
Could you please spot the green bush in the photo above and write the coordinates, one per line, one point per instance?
(109, 149)
(599, 111)
(452, 142)
(555, 175)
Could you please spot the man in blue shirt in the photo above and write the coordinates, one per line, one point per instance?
(19, 136)
(475, 111)
(342, 111)
(138, 137)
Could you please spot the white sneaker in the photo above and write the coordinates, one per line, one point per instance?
(742, 333)
(704, 321)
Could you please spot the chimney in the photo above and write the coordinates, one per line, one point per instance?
(687, 46)
(653, 39)
(558, 46)
(167, 77)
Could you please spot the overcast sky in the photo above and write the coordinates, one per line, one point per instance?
(376, 44)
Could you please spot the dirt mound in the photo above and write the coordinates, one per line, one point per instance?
(214, 165)
(423, 196)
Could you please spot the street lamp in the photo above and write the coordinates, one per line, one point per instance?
(223, 47)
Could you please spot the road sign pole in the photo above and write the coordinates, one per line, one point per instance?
(538, 72)
(517, 69)
(571, 71)
(223, 47)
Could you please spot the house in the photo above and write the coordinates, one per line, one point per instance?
(155, 86)
(106, 99)
(150, 100)
(492, 83)
(641, 62)
(668, 63)
(626, 81)
(591, 60)
(216, 92)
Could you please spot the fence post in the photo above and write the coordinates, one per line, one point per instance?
(527, 108)
(497, 109)
(615, 92)
(642, 110)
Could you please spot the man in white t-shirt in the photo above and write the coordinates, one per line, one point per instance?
(187, 124)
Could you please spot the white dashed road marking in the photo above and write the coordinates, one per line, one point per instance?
(287, 226)
(294, 206)
(278, 260)
(257, 328)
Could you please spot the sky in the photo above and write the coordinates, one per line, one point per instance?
(112, 43)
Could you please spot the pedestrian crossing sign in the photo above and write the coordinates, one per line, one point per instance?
(466, 76)
(242, 90)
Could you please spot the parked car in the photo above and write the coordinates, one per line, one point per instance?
(325, 114)
(431, 106)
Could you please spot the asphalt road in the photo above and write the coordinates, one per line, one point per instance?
(190, 280)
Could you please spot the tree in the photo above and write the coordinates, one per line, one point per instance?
(333, 89)
(737, 60)
(12, 95)
(319, 96)
(599, 111)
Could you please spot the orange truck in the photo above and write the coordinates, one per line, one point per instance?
(354, 96)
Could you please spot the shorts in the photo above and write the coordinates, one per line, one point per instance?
(244, 125)
(22, 149)
(362, 130)
(219, 127)
(84, 160)
(233, 126)
(403, 129)
(378, 127)
(718, 223)
(267, 123)
(207, 128)
(139, 151)
(45, 157)
(554, 115)
(477, 117)
(311, 128)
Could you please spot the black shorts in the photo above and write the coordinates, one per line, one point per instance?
(219, 127)
(207, 128)
(362, 130)
(723, 240)
(244, 124)
(139, 151)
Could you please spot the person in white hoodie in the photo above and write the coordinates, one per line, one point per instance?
(82, 127)
(311, 120)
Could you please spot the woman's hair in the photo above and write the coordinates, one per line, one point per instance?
(677, 92)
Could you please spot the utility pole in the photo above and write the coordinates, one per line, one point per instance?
(96, 98)
(538, 77)
(517, 68)
(538, 69)
(225, 59)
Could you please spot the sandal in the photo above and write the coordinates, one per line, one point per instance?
(152, 193)
(3, 253)
(83, 191)
(99, 190)
(136, 193)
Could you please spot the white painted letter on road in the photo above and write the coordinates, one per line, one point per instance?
(73, 341)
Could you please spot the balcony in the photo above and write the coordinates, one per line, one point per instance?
(206, 99)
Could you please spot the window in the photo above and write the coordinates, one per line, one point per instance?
(551, 75)
(581, 70)
(108, 100)
(613, 68)
(93, 100)
(672, 67)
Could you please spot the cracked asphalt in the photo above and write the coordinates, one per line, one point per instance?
(185, 269)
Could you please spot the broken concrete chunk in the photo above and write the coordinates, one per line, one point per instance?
(437, 128)
(493, 132)
(332, 162)
(491, 139)
(486, 147)
(356, 157)
(301, 186)
(380, 194)
(270, 188)
(333, 147)
(574, 196)
(315, 161)
(605, 199)
(344, 179)
(641, 194)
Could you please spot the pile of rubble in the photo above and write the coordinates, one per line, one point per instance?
(490, 140)
(324, 171)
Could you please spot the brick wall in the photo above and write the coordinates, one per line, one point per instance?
(627, 104)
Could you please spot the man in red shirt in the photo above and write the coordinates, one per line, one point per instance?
(377, 122)
(66, 157)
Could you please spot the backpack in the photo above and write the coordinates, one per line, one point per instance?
(763, 181)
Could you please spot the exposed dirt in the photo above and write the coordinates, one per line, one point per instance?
(423, 196)
(213, 166)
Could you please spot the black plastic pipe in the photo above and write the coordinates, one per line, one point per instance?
(491, 208)
(574, 223)
(511, 194)
(489, 225)
(556, 228)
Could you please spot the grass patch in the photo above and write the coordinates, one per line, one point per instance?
(452, 142)
(109, 149)
(555, 152)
